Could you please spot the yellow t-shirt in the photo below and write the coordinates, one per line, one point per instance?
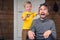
(28, 21)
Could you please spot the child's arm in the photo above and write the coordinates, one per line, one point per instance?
(35, 14)
(25, 16)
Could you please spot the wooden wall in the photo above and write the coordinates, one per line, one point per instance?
(6, 19)
(55, 15)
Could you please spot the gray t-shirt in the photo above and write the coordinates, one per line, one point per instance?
(40, 26)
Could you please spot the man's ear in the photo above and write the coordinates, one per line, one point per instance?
(48, 13)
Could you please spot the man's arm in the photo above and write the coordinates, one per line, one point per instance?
(31, 33)
(53, 29)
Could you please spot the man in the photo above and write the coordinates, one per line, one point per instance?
(43, 28)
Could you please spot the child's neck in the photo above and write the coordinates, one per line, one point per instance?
(28, 11)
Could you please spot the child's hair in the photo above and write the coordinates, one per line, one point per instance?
(44, 4)
(27, 2)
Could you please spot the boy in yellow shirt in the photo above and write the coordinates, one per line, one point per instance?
(27, 17)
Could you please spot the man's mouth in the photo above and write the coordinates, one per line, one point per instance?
(42, 14)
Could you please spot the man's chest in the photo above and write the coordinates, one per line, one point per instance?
(43, 26)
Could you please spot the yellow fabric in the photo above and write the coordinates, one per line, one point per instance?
(27, 23)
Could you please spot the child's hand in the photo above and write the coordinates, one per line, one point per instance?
(47, 33)
(28, 15)
(24, 18)
(31, 35)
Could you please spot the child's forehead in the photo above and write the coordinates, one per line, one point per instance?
(28, 4)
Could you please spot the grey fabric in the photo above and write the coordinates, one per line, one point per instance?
(40, 26)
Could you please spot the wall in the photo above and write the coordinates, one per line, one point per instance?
(6, 19)
(55, 15)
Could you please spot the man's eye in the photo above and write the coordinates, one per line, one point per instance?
(45, 8)
(40, 9)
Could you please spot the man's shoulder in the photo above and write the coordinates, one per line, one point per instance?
(51, 21)
(35, 20)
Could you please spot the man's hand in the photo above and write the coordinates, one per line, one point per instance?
(31, 34)
(47, 33)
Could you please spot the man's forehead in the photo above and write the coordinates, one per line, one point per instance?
(43, 6)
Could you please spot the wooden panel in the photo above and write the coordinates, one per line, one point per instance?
(55, 16)
(6, 19)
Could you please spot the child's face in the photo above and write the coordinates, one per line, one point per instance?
(43, 11)
(28, 7)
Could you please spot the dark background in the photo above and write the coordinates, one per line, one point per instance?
(55, 14)
(6, 19)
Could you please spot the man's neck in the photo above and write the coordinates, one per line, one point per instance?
(42, 18)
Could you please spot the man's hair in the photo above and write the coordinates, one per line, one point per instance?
(44, 4)
(27, 2)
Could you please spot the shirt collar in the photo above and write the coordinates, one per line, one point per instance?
(43, 19)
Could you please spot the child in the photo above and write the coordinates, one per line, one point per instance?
(43, 28)
(27, 17)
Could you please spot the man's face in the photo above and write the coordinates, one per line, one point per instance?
(43, 11)
(28, 7)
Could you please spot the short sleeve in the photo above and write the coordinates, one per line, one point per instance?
(24, 15)
(34, 14)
